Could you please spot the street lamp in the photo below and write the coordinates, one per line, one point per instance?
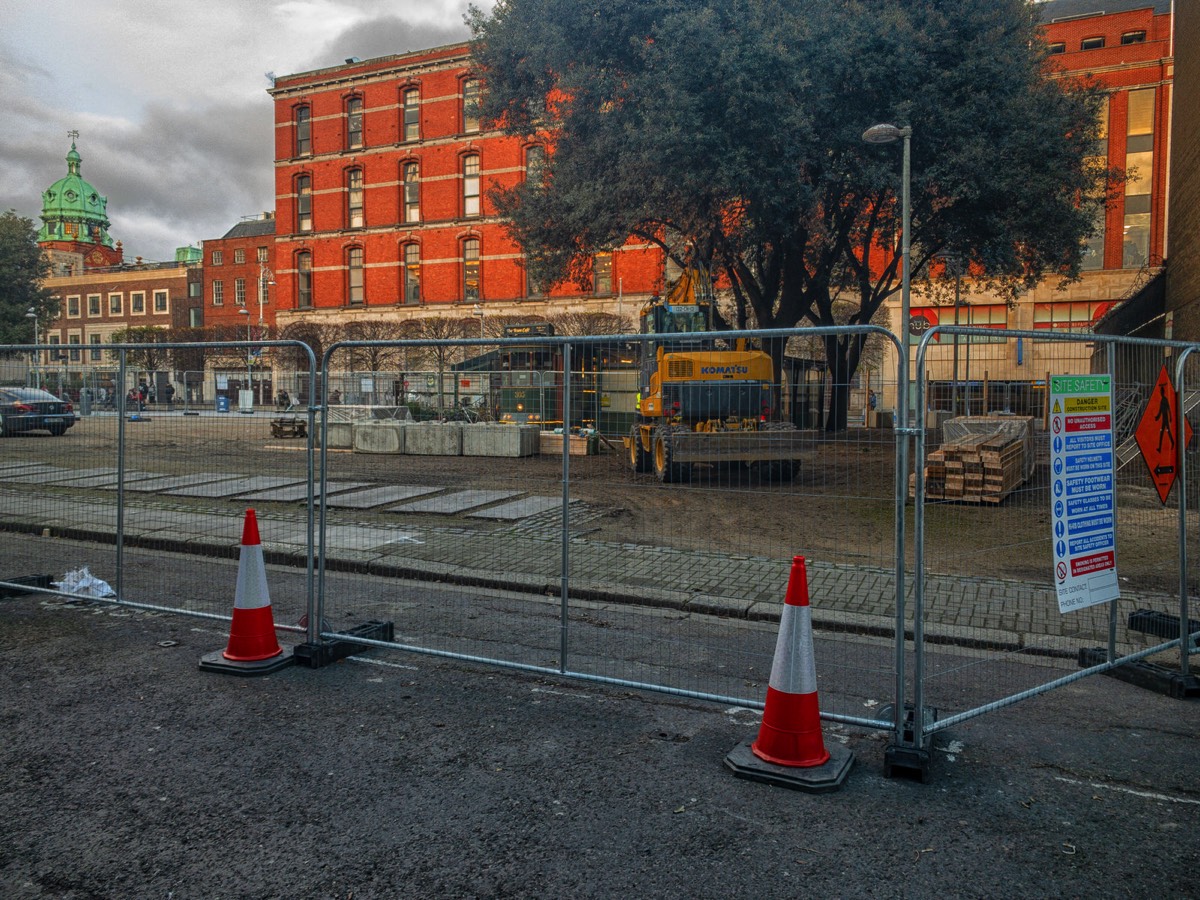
(32, 314)
(885, 134)
(249, 362)
(478, 309)
(264, 279)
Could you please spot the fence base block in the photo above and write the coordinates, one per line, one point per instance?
(911, 762)
(216, 662)
(1159, 624)
(828, 776)
(1148, 675)
(318, 654)
(35, 581)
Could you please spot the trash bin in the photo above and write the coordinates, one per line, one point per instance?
(222, 404)
(85, 402)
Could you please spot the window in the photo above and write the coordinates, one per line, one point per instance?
(470, 272)
(1058, 47)
(195, 317)
(602, 274)
(1091, 43)
(218, 258)
(354, 123)
(262, 254)
(303, 131)
(1139, 163)
(1078, 316)
(412, 193)
(354, 198)
(195, 290)
(160, 301)
(115, 302)
(72, 307)
(533, 287)
(137, 303)
(73, 340)
(969, 316)
(1093, 251)
(470, 106)
(94, 306)
(535, 164)
(412, 274)
(304, 281)
(411, 111)
(471, 185)
(304, 220)
(95, 355)
(1133, 37)
(239, 256)
(354, 276)
(218, 289)
(239, 292)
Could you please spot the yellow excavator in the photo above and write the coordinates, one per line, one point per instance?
(704, 400)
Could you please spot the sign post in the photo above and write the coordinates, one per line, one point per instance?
(1155, 435)
(1083, 491)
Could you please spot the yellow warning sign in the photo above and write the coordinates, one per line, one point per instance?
(1086, 404)
(1057, 408)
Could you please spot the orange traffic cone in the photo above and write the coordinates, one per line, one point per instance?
(790, 735)
(253, 648)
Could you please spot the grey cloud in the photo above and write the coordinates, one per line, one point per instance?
(387, 36)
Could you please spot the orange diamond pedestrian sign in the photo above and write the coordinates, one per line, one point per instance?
(1156, 435)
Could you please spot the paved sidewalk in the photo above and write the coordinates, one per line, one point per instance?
(526, 555)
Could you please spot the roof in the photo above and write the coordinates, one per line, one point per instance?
(1057, 10)
(252, 228)
(73, 210)
(1139, 312)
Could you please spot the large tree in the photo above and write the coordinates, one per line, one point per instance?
(23, 266)
(734, 128)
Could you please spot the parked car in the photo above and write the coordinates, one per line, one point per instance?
(31, 409)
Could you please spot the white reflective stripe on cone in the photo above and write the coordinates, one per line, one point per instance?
(794, 671)
(251, 590)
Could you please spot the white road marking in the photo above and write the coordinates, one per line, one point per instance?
(1148, 795)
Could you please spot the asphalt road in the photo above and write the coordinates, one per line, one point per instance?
(125, 772)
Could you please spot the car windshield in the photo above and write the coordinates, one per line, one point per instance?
(30, 395)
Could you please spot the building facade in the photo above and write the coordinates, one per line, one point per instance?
(1183, 269)
(382, 174)
(75, 219)
(239, 277)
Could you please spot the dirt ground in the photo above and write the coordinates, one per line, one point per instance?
(840, 506)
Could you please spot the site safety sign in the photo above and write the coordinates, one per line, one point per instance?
(1083, 490)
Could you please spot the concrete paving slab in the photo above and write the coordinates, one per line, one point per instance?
(169, 482)
(240, 484)
(378, 496)
(459, 501)
(296, 492)
(15, 467)
(103, 481)
(518, 509)
(54, 476)
(339, 537)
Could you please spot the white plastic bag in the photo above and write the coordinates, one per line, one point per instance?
(83, 582)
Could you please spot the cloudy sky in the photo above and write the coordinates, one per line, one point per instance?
(169, 99)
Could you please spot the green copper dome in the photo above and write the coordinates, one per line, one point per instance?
(73, 210)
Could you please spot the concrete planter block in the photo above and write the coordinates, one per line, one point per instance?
(378, 437)
(433, 439)
(499, 440)
(340, 435)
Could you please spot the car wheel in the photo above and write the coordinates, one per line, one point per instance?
(57, 430)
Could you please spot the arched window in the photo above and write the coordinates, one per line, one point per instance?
(471, 185)
(412, 274)
(304, 220)
(470, 270)
(304, 280)
(354, 276)
(354, 123)
(410, 105)
(470, 106)
(303, 131)
(412, 192)
(355, 217)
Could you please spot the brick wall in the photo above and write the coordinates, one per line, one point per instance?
(1183, 267)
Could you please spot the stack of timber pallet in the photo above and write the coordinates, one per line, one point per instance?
(976, 468)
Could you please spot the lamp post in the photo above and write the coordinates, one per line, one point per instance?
(249, 372)
(885, 134)
(478, 309)
(264, 279)
(37, 380)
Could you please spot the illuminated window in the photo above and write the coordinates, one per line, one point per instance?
(470, 273)
(304, 285)
(1077, 316)
(1139, 163)
(1133, 37)
(970, 315)
(602, 274)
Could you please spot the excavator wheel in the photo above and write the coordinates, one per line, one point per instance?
(639, 456)
(667, 470)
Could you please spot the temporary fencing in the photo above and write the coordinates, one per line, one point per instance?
(526, 528)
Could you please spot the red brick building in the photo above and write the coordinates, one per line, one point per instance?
(239, 275)
(382, 175)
